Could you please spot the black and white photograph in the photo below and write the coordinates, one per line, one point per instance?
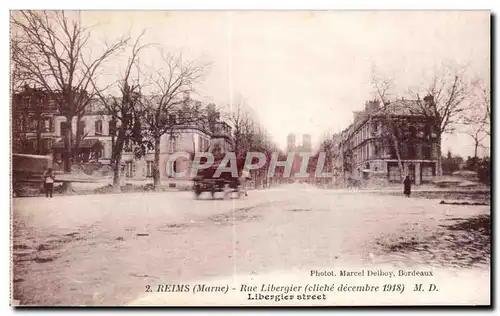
(250, 158)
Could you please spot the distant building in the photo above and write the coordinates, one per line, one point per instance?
(291, 145)
(306, 143)
(367, 149)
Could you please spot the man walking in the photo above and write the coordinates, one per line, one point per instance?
(407, 186)
(48, 182)
(245, 176)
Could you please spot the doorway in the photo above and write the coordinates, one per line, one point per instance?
(411, 173)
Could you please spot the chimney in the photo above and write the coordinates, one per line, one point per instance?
(372, 106)
(429, 99)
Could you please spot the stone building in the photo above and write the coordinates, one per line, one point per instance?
(38, 128)
(33, 121)
(368, 150)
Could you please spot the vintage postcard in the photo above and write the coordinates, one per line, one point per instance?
(250, 158)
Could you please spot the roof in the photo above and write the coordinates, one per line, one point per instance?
(401, 107)
(397, 108)
(84, 143)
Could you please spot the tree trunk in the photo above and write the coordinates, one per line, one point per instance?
(439, 171)
(116, 157)
(476, 145)
(38, 134)
(398, 156)
(156, 165)
(68, 146)
(395, 143)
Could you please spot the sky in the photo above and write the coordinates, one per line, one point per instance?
(306, 72)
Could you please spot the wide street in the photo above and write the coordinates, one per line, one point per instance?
(105, 249)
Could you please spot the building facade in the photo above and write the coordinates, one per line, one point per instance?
(369, 147)
(33, 121)
(35, 116)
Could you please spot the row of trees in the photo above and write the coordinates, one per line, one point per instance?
(482, 166)
(250, 136)
(55, 51)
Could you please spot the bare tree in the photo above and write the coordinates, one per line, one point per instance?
(476, 119)
(390, 125)
(329, 146)
(249, 136)
(124, 109)
(17, 75)
(481, 109)
(53, 52)
(167, 107)
(243, 128)
(444, 101)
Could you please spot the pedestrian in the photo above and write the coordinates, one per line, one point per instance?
(48, 182)
(245, 176)
(407, 186)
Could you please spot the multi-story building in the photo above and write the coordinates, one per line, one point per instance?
(368, 149)
(33, 121)
(94, 134)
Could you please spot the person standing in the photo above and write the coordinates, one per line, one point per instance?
(407, 186)
(245, 176)
(48, 182)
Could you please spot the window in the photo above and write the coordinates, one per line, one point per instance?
(427, 130)
(127, 147)
(19, 123)
(412, 153)
(30, 146)
(112, 127)
(80, 129)
(172, 144)
(394, 174)
(200, 143)
(426, 152)
(52, 103)
(149, 168)
(427, 172)
(129, 169)
(171, 119)
(26, 101)
(98, 127)
(413, 131)
(47, 145)
(392, 150)
(32, 124)
(62, 128)
(48, 124)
